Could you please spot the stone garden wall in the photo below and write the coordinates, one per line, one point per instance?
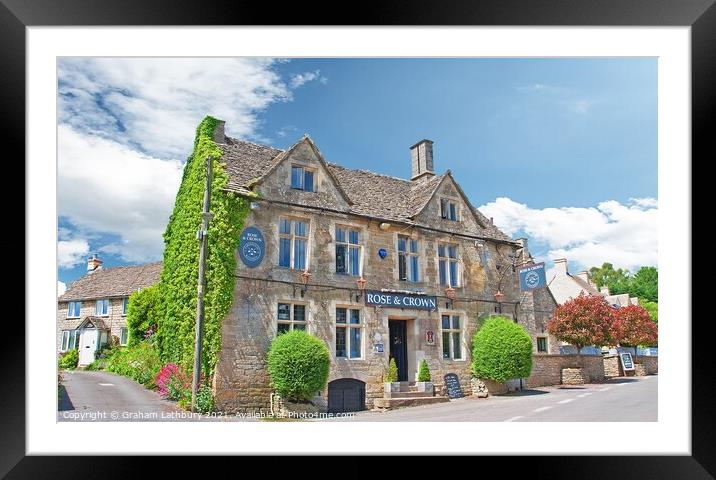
(547, 369)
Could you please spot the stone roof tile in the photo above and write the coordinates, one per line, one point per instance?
(113, 282)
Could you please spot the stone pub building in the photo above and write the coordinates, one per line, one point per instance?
(376, 266)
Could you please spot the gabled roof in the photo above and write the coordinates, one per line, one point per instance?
(367, 193)
(113, 282)
(433, 188)
(92, 322)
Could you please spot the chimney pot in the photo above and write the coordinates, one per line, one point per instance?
(421, 157)
(93, 263)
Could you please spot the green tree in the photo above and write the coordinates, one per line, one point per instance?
(298, 364)
(652, 308)
(142, 314)
(424, 371)
(645, 284)
(501, 350)
(617, 280)
(392, 374)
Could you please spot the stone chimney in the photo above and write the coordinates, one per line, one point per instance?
(560, 266)
(604, 290)
(585, 276)
(525, 252)
(219, 132)
(93, 263)
(421, 156)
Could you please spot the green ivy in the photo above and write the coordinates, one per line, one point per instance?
(180, 271)
(142, 314)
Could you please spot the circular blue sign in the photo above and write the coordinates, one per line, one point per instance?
(251, 247)
(532, 279)
(382, 253)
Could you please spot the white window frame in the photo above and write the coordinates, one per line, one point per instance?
(448, 260)
(445, 214)
(79, 310)
(292, 237)
(347, 327)
(65, 340)
(291, 322)
(408, 254)
(97, 310)
(123, 332)
(451, 331)
(304, 169)
(348, 245)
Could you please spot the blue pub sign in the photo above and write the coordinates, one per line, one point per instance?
(251, 247)
(400, 300)
(532, 276)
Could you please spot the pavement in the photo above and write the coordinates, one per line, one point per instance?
(105, 397)
(631, 399)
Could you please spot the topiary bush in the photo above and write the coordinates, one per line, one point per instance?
(392, 374)
(501, 350)
(298, 365)
(68, 360)
(424, 372)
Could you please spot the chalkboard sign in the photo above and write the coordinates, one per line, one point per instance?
(454, 390)
(627, 362)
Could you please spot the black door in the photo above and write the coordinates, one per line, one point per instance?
(346, 395)
(397, 330)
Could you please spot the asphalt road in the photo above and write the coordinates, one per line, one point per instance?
(105, 397)
(618, 400)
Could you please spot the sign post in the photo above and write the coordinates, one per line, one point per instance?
(532, 276)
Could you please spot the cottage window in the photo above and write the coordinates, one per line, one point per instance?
(291, 316)
(102, 309)
(348, 251)
(123, 336)
(293, 242)
(302, 179)
(542, 344)
(69, 340)
(448, 266)
(73, 310)
(448, 209)
(408, 259)
(348, 333)
(452, 337)
(125, 305)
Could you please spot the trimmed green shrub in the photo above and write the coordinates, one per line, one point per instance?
(140, 363)
(142, 313)
(298, 364)
(392, 375)
(68, 360)
(424, 372)
(176, 314)
(205, 399)
(501, 350)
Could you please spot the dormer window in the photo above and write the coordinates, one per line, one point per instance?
(448, 209)
(302, 179)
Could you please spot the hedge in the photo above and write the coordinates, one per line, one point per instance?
(501, 350)
(298, 365)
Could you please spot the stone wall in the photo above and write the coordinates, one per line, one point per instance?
(651, 364)
(547, 369)
(613, 367)
(116, 320)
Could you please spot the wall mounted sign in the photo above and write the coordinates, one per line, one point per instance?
(452, 383)
(400, 300)
(378, 348)
(251, 247)
(382, 253)
(532, 276)
(429, 337)
(627, 362)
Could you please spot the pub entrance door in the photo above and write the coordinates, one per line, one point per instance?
(397, 330)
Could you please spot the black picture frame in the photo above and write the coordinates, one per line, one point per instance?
(700, 15)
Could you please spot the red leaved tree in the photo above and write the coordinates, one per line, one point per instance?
(585, 320)
(633, 326)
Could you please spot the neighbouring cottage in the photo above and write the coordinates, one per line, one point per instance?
(374, 265)
(93, 309)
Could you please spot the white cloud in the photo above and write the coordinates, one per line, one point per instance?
(106, 187)
(72, 252)
(625, 235)
(300, 79)
(61, 288)
(154, 104)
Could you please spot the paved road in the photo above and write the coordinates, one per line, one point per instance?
(618, 400)
(106, 397)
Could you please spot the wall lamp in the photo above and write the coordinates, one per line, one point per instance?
(305, 277)
(361, 288)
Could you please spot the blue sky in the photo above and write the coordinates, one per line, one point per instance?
(563, 151)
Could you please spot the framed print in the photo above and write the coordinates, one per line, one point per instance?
(424, 229)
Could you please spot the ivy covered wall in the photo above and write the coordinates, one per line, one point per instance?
(180, 272)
